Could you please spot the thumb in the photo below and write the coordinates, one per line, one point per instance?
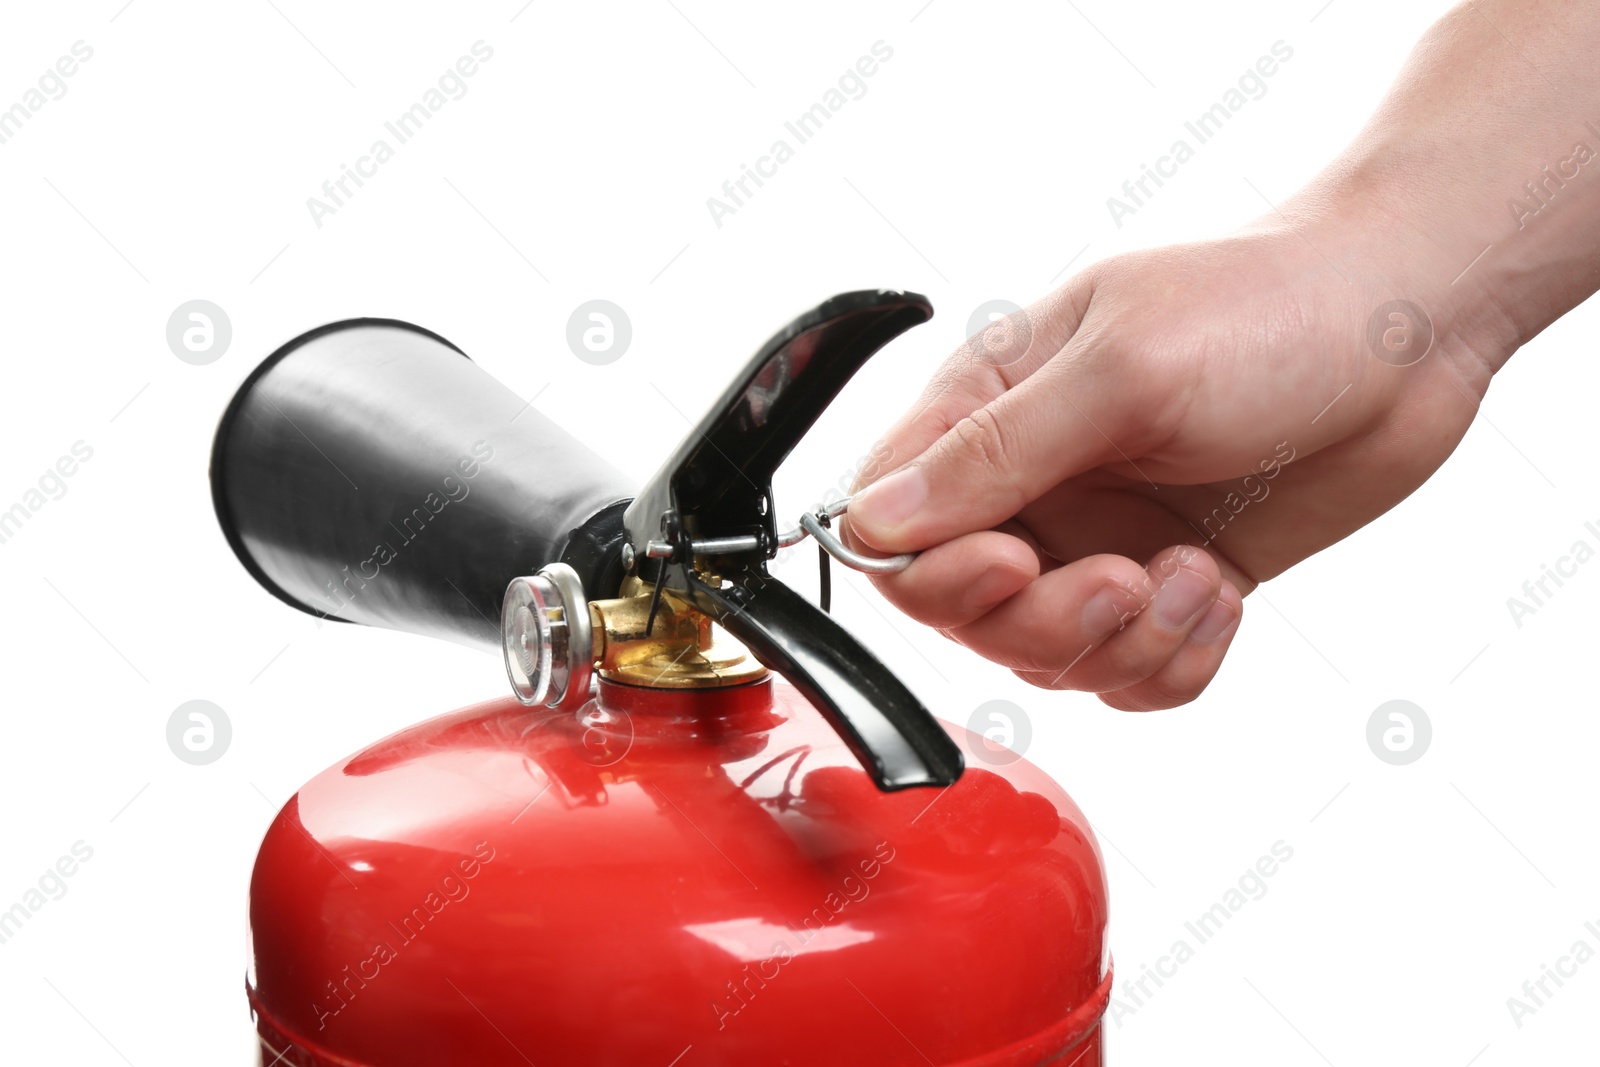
(1059, 422)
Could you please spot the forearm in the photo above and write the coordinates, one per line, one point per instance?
(1482, 167)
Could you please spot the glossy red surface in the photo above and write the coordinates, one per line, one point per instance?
(684, 878)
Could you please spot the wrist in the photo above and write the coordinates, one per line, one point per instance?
(1497, 254)
(1413, 233)
(1479, 179)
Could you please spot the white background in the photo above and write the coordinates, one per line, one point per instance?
(977, 166)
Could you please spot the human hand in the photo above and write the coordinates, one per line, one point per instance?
(1095, 482)
(1222, 410)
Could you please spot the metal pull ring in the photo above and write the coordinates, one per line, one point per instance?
(811, 524)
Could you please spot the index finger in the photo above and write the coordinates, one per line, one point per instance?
(986, 365)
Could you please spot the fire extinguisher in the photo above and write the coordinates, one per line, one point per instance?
(707, 827)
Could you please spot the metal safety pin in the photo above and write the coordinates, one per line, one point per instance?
(812, 524)
(815, 524)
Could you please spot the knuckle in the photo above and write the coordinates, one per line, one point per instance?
(903, 595)
(981, 436)
(1175, 685)
(1150, 695)
(1129, 662)
(967, 370)
(1048, 680)
(1122, 700)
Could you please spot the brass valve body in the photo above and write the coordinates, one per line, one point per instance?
(682, 650)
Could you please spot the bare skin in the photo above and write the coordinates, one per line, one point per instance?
(1075, 476)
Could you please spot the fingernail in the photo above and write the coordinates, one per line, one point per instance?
(1182, 597)
(1215, 624)
(1109, 610)
(888, 503)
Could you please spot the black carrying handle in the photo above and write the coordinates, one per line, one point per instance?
(716, 490)
(368, 471)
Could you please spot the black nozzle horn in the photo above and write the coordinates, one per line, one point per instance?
(368, 471)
